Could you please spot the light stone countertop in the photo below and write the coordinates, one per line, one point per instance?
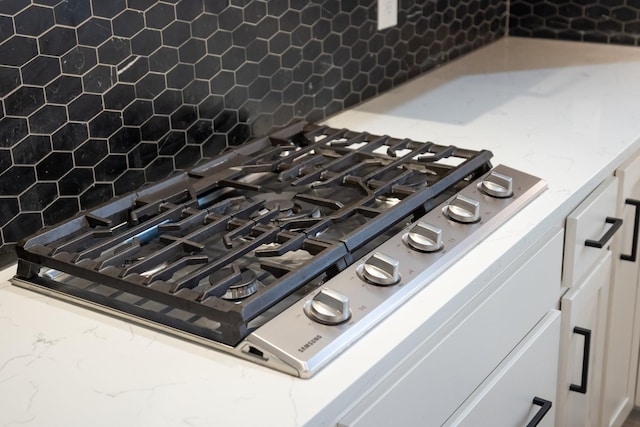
(566, 112)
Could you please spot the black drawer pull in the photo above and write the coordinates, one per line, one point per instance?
(545, 405)
(617, 223)
(636, 226)
(582, 388)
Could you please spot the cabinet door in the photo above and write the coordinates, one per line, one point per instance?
(582, 347)
(623, 330)
(506, 398)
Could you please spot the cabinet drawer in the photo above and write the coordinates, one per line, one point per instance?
(506, 398)
(434, 380)
(588, 222)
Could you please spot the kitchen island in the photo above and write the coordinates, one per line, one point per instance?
(563, 111)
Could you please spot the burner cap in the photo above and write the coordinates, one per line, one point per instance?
(244, 283)
(285, 206)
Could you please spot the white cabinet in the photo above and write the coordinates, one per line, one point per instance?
(444, 370)
(623, 330)
(521, 391)
(590, 230)
(582, 348)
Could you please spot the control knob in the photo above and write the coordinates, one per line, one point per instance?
(329, 307)
(380, 269)
(424, 237)
(497, 185)
(463, 209)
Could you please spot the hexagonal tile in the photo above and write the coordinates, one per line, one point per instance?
(70, 136)
(17, 228)
(195, 92)
(31, 149)
(91, 152)
(138, 112)
(57, 41)
(12, 130)
(63, 89)
(54, 166)
(14, 6)
(233, 58)
(24, 101)
(247, 73)
(94, 31)
(95, 195)
(176, 33)
(79, 60)
(60, 209)
(167, 102)
(76, 181)
(16, 179)
(9, 208)
(114, 51)
(160, 15)
(132, 70)
(119, 96)
(192, 51)
(267, 27)
(146, 42)
(142, 155)
(39, 196)
(230, 18)
(85, 107)
(129, 181)
(108, 9)
(72, 13)
(200, 132)
(128, 23)
(204, 25)
(34, 20)
(124, 140)
(41, 70)
(154, 129)
(188, 10)
(184, 117)
(219, 42)
(163, 59)
(99, 79)
(105, 124)
(18, 50)
(180, 76)
(140, 4)
(172, 143)
(207, 67)
(111, 167)
(48, 119)
(187, 157)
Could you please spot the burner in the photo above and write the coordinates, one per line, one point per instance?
(286, 207)
(242, 283)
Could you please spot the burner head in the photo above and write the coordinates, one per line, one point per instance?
(244, 283)
(286, 207)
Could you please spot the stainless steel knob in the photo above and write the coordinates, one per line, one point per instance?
(463, 209)
(424, 237)
(329, 307)
(380, 269)
(497, 185)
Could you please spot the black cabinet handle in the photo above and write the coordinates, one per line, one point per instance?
(582, 388)
(617, 223)
(545, 405)
(636, 226)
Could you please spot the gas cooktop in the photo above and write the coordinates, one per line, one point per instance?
(285, 250)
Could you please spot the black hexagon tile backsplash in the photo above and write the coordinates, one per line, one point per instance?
(99, 97)
(602, 21)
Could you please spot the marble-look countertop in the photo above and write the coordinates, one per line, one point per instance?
(564, 111)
